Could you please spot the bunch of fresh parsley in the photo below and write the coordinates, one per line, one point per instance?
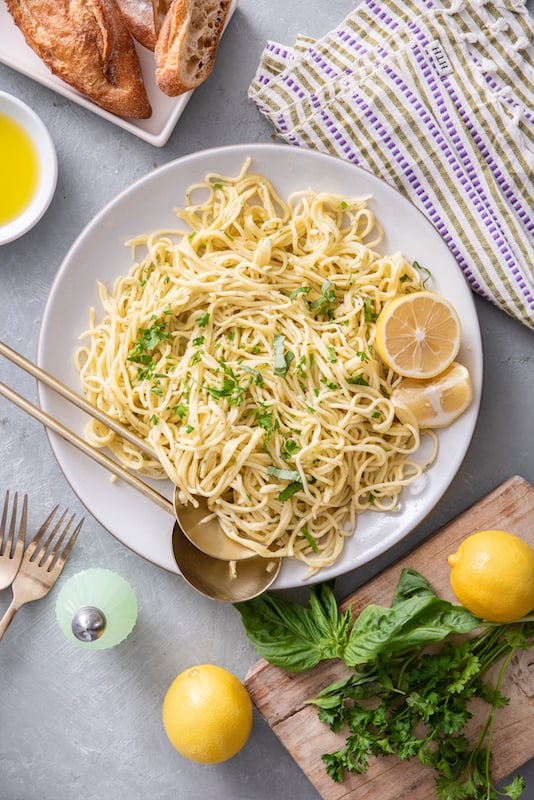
(408, 688)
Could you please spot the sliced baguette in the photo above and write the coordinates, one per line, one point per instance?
(187, 44)
(144, 19)
(86, 43)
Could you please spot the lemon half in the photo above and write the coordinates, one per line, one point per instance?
(418, 335)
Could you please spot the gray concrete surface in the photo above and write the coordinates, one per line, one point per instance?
(78, 724)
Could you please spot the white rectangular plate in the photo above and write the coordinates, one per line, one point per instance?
(166, 111)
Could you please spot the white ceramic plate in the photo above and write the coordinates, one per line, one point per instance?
(166, 111)
(100, 253)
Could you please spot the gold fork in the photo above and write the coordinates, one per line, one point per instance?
(41, 564)
(11, 546)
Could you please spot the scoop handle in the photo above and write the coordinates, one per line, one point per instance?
(86, 448)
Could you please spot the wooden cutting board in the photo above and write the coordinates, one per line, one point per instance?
(280, 696)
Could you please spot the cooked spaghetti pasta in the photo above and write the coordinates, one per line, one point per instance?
(241, 347)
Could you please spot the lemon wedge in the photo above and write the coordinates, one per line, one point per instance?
(437, 402)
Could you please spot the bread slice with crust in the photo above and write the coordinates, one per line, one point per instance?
(144, 19)
(187, 44)
(86, 43)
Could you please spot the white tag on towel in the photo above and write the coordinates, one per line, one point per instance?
(439, 58)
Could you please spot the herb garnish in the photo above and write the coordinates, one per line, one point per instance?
(427, 272)
(265, 419)
(181, 410)
(358, 380)
(282, 359)
(292, 475)
(309, 538)
(399, 696)
(142, 352)
(284, 474)
(289, 448)
(326, 303)
(369, 314)
(290, 490)
(300, 290)
(231, 389)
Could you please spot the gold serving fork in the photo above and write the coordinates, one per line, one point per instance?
(41, 564)
(11, 546)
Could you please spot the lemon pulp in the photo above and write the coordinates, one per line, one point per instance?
(19, 169)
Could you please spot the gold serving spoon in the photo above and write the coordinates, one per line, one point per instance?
(206, 557)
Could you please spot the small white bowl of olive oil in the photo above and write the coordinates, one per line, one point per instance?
(28, 168)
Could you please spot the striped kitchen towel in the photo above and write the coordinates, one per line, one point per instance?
(437, 99)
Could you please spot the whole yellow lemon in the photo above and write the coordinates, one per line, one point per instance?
(207, 714)
(492, 575)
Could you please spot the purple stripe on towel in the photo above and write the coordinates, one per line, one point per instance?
(455, 136)
(492, 83)
(429, 74)
(421, 197)
(318, 59)
(278, 50)
(473, 195)
(508, 192)
(379, 11)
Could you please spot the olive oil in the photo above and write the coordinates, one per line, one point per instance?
(19, 169)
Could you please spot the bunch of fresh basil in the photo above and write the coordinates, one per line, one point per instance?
(297, 637)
